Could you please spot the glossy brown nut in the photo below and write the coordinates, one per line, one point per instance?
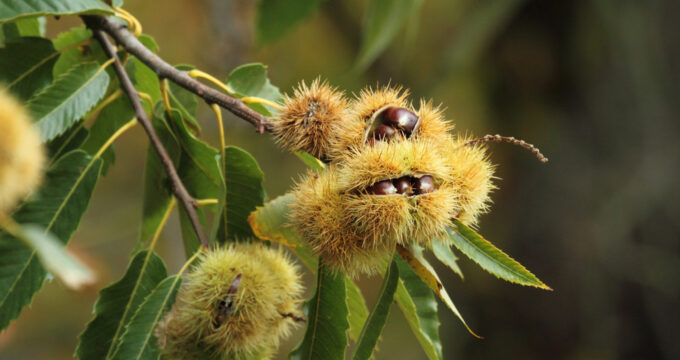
(424, 185)
(400, 118)
(384, 187)
(384, 132)
(403, 186)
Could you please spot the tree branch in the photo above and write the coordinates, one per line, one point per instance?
(178, 188)
(127, 40)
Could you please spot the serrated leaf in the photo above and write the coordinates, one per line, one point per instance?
(270, 222)
(58, 207)
(61, 104)
(382, 22)
(245, 191)
(490, 258)
(376, 320)
(426, 273)
(444, 253)
(326, 334)
(275, 18)
(139, 341)
(252, 80)
(77, 47)
(13, 9)
(27, 66)
(56, 259)
(117, 304)
(419, 306)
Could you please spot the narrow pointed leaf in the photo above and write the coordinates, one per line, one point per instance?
(358, 311)
(58, 207)
(56, 259)
(426, 273)
(383, 21)
(419, 306)
(326, 334)
(376, 320)
(27, 66)
(117, 304)
(309, 160)
(13, 9)
(139, 341)
(490, 258)
(61, 104)
(444, 253)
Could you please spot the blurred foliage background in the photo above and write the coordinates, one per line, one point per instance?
(594, 84)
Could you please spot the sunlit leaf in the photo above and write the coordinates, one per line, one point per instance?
(376, 320)
(13, 9)
(56, 259)
(252, 80)
(58, 207)
(34, 27)
(61, 104)
(426, 273)
(27, 66)
(76, 47)
(326, 311)
(117, 304)
(383, 21)
(139, 341)
(490, 258)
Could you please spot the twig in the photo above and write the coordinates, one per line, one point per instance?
(178, 188)
(127, 40)
(511, 140)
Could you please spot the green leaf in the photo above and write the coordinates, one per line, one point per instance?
(382, 22)
(358, 311)
(77, 47)
(378, 317)
(184, 100)
(252, 80)
(61, 104)
(111, 118)
(270, 222)
(312, 162)
(23, 28)
(419, 306)
(117, 304)
(426, 273)
(27, 66)
(326, 334)
(490, 258)
(13, 9)
(245, 192)
(157, 200)
(71, 140)
(139, 341)
(444, 253)
(58, 207)
(54, 257)
(275, 18)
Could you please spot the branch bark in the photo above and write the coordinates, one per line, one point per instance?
(128, 88)
(127, 40)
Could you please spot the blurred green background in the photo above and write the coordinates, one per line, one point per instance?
(594, 84)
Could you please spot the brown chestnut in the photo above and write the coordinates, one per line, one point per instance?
(400, 118)
(423, 185)
(383, 132)
(403, 186)
(384, 187)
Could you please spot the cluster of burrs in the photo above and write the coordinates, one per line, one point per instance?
(395, 174)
